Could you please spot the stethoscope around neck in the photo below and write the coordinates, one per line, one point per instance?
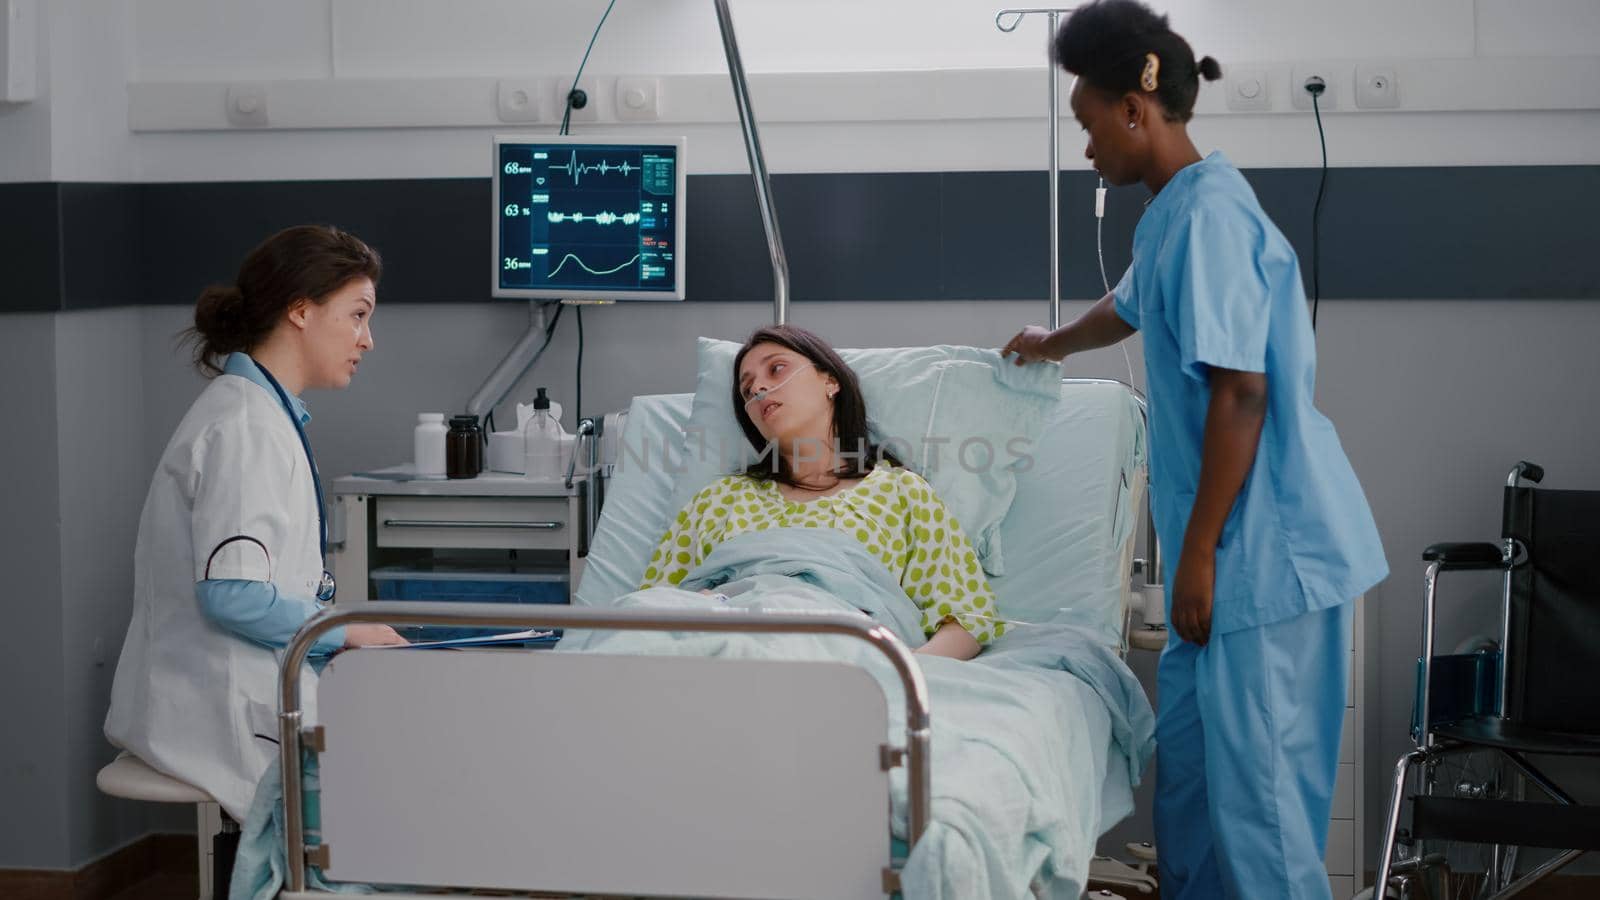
(326, 587)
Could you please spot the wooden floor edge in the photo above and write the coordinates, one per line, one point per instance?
(103, 878)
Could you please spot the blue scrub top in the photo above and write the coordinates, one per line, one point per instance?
(1215, 284)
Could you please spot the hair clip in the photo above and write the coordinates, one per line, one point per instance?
(1152, 71)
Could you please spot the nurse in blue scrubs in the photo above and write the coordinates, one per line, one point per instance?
(1268, 535)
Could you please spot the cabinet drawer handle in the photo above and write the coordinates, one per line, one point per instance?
(436, 523)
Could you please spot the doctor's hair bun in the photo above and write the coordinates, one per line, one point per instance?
(218, 326)
(1107, 43)
(306, 262)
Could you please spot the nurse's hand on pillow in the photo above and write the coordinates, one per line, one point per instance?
(371, 636)
(1033, 344)
(1191, 597)
(1100, 326)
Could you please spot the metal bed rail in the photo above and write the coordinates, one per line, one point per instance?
(292, 736)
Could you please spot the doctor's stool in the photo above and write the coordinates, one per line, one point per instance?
(217, 835)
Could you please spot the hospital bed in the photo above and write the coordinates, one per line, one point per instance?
(589, 774)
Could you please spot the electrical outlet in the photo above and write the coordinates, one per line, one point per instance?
(1377, 87)
(520, 100)
(590, 111)
(1248, 89)
(247, 106)
(1336, 78)
(638, 99)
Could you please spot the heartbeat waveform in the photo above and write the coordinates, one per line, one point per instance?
(576, 170)
(586, 268)
(599, 218)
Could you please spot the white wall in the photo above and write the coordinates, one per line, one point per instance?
(833, 81)
(88, 66)
(25, 127)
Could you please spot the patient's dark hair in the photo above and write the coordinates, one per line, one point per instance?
(849, 408)
(1105, 43)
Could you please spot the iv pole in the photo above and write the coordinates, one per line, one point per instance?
(1152, 565)
(1053, 16)
(758, 167)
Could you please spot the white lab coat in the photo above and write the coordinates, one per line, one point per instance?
(189, 698)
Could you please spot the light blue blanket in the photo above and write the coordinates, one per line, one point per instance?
(1018, 734)
(1016, 775)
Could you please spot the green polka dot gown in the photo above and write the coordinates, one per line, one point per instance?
(892, 512)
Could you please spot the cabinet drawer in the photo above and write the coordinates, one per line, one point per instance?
(490, 523)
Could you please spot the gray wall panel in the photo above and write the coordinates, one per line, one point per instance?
(103, 479)
(33, 765)
(102, 240)
(30, 247)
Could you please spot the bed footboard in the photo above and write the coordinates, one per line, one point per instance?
(591, 773)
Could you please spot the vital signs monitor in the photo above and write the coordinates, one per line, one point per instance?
(588, 218)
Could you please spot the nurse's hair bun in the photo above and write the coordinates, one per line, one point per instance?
(1107, 43)
(306, 262)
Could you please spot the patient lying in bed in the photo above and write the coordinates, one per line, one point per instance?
(802, 410)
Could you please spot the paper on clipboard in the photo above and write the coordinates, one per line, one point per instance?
(488, 640)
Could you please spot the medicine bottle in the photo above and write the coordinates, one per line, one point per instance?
(463, 448)
(428, 443)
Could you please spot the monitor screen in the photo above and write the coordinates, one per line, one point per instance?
(587, 218)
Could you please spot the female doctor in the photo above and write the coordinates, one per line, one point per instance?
(1269, 536)
(229, 560)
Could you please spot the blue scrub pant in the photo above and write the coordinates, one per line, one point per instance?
(1247, 751)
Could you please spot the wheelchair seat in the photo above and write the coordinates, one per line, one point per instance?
(1504, 734)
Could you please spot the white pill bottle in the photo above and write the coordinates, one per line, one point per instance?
(428, 444)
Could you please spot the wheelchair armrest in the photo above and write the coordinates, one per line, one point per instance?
(1465, 556)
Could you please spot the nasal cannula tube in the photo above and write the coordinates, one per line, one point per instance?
(1005, 621)
(764, 394)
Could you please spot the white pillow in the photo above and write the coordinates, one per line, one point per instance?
(988, 411)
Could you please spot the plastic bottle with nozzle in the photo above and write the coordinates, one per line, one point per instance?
(546, 443)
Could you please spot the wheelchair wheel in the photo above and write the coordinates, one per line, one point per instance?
(1469, 871)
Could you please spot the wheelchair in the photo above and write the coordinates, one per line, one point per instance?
(1482, 712)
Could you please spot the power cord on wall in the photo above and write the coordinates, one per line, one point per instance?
(577, 401)
(1315, 86)
(577, 99)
